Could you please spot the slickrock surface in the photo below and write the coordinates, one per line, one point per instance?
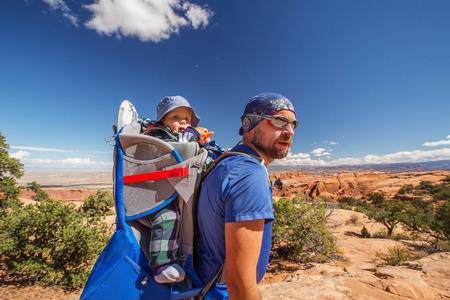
(359, 277)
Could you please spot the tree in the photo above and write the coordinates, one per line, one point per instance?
(300, 229)
(10, 170)
(418, 216)
(99, 204)
(389, 213)
(441, 222)
(40, 194)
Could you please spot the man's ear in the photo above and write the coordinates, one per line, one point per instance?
(249, 135)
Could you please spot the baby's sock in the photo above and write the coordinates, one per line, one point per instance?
(169, 274)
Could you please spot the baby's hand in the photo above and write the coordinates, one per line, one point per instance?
(204, 135)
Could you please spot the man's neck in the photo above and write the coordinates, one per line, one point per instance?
(267, 160)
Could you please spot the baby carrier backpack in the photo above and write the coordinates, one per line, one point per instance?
(149, 173)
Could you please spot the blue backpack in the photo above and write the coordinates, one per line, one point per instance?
(148, 175)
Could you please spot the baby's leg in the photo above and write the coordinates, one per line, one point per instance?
(164, 245)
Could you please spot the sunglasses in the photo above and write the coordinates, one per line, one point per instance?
(278, 121)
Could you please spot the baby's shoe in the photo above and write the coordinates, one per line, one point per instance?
(171, 274)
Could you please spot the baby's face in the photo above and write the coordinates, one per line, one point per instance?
(178, 119)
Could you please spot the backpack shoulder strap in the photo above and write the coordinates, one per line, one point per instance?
(225, 155)
(208, 286)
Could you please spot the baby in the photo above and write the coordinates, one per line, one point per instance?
(175, 121)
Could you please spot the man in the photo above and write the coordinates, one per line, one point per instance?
(235, 206)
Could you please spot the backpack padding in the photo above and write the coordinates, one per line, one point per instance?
(186, 150)
(143, 154)
(129, 140)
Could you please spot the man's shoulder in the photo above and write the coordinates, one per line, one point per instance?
(236, 166)
(241, 162)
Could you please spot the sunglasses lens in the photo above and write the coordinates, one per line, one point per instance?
(282, 122)
(279, 122)
(294, 124)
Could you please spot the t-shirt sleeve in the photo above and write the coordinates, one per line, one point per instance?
(247, 193)
(190, 134)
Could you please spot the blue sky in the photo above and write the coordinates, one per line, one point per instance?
(370, 80)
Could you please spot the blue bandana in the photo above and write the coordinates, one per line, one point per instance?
(263, 104)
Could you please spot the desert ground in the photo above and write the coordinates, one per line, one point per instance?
(355, 275)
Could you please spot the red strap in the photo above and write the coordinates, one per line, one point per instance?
(175, 172)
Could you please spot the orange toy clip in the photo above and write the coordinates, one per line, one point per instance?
(207, 135)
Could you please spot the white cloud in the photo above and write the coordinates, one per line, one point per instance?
(198, 16)
(331, 143)
(148, 20)
(40, 149)
(319, 152)
(297, 156)
(61, 5)
(293, 162)
(19, 154)
(67, 163)
(402, 156)
(438, 143)
(399, 157)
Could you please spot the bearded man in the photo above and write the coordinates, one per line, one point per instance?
(235, 210)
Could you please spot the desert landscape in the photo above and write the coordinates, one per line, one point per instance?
(356, 274)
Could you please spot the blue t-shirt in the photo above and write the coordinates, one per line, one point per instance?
(236, 190)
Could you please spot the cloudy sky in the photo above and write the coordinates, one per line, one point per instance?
(370, 80)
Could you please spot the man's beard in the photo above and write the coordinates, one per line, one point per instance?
(268, 151)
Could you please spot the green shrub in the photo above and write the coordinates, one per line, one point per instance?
(365, 233)
(409, 188)
(442, 195)
(347, 200)
(395, 256)
(51, 243)
(426, 186)
(402, 236)
(382, 234)
(299, 230)
(345, 206)
(99, 204)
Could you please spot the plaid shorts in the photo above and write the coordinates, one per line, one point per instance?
(165, 234)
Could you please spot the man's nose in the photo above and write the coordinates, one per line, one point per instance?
(289, 130)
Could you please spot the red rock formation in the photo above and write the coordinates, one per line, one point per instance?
(66, 195)
(354, 185)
